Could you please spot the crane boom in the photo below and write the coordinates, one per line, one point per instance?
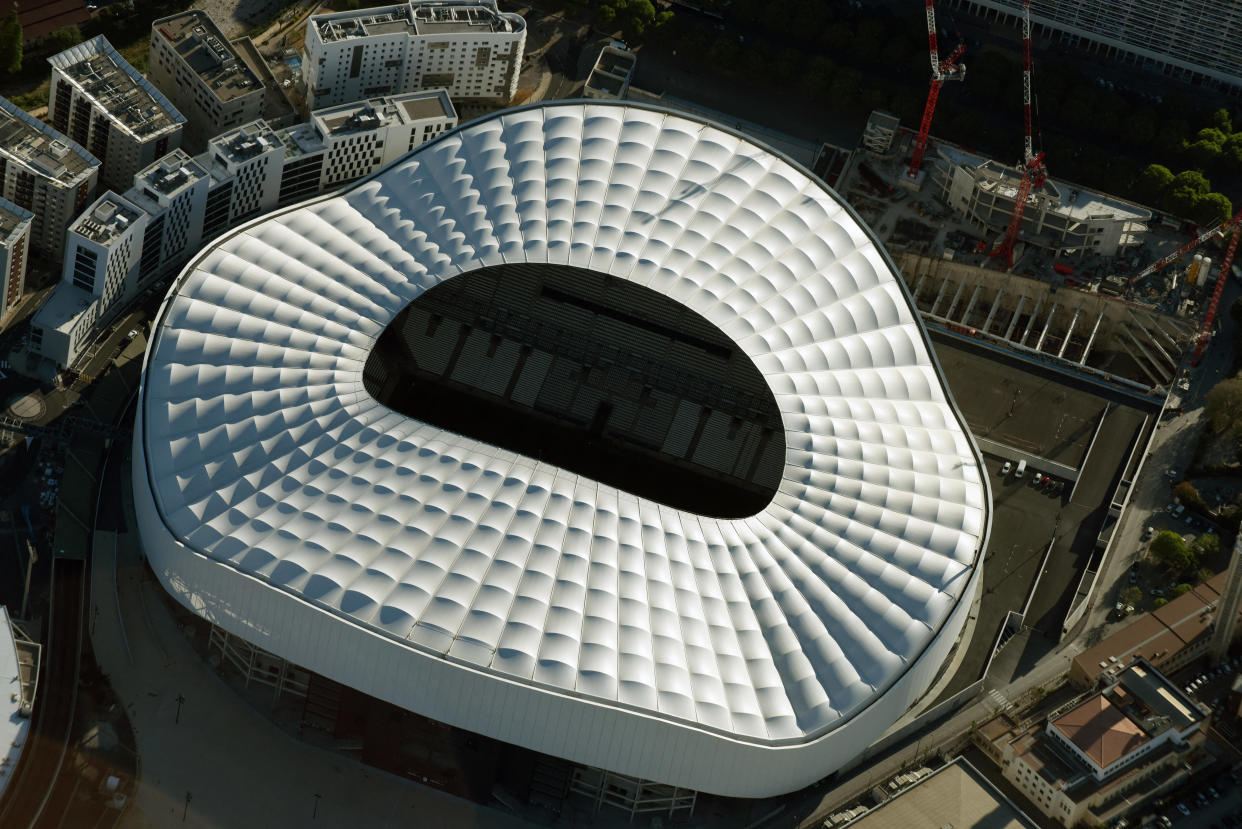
(1028, 149)
(947, 70)
(1222, 277)
(1163, 262)
(1034, 174)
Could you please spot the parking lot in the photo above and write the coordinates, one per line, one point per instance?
(1028, 518)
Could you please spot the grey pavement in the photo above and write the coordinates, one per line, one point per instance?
(236, 767)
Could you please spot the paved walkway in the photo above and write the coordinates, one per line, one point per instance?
(236, 768)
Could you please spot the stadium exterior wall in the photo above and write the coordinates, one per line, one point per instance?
(556, 722)
(576, 729)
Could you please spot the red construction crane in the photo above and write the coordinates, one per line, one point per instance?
(947, 70)
(1220, 229)
(1222, 277)
(1033, 172)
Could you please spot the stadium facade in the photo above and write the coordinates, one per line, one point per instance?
(749, 656)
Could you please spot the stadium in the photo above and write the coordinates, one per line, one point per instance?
(592, 428)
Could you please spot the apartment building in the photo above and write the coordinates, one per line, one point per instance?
(15, 225)
(173, 192)
(45, 172)
(102, 250)
(104, 104)
(1197, 42)
(203, 75)
(345, 143)
(470, 48)
(245, 167)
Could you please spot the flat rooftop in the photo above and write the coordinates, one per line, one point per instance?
(956, 795)
(105, 220)
(364, 116)
(12, 218)
(166, 177)
(127, 97)
(41, 149)
(201, 44)
(65, 304)
(416, 19)
(245, 142)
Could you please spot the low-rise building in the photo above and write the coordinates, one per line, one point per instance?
(955, 795)
(104, 104)
(46, 172)
(102, 251)
(469, 47)
(15, 224)
(1058, 215)
(1168, 638)
(1107, 754)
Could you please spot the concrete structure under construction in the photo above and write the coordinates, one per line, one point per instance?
(1059, 216)
(1126, 344)
(469, 47)
(610, 77)
(15, 224)
(46, 172)
(1227, 609)
(103, 103)
(1196, 42)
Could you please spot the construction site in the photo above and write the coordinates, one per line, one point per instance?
(1084, 282)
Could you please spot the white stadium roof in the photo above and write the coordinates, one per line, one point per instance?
(279, 500)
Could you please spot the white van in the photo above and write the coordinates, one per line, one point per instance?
(1021, 470)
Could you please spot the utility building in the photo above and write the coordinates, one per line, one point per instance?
(471, 48)
(104, 104)
(45, 172)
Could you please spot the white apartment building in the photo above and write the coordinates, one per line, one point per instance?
(203, 75)
(104, 104)
(1058, 215)
(45, 172)
(469, 47)
(102, 251)
(173, 192)
(344, 143)
(1193, 41)
(15, 225)
(245, 167)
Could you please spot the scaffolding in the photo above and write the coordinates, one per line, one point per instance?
(631, 794)
(259, 666)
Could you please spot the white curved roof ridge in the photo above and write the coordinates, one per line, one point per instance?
(264, 454)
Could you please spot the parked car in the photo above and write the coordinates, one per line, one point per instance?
(1156, 591)
(1149, 532)
(1181, 807)
(1005, 469)
(1037, 479)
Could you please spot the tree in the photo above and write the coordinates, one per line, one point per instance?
(61, 39)
(1220, 120)
(1223, 406)
(1188, 495)
(1170, 549)
(1204, 546)
(1180, 590)
(1159, 603)
(1204, 575)
(1211, 208)
(11, 44)
(1153, 182)
(1131, 596)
